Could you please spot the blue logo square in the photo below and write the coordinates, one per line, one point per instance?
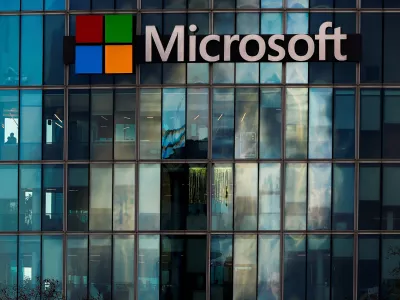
(89, 59)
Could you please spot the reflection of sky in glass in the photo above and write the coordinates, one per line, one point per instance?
(296, 122)
(271, 73)
(271, 23)
(320, 123)
(268, 263)
(297, 23)
(271, 3)
(295, 196)
(297, 72)
(197, 73)
(247, 23)
(247, 3)
(269, 196)
(319, 195)
(148, 266)
(247, 73)
(224, 23)
(245, 267)
(173, 118)
(297, 3)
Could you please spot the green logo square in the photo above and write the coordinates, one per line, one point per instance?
(118, 29)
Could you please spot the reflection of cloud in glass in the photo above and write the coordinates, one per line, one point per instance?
(271, 23)
(297, 3)
(271, 3)
(297, 72)
(297, 23)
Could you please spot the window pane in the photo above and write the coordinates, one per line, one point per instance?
(10, 37)
(78, 124)
(9, 6)
(198, 4)
(125, 124)
(224, 4)
(295, 267)
(152, 4)
(197, 73)
(29, 256)
(271, 23)
(297, 3)
(31, 125)
(224, 23)
(368, 266)
(369, 197)
(53, 49)
(101, 125)
(10, 123)
(370, 124)
(197, 123)
(100, 215)
(344, 124)
(296, 123)
(269, 196)
(271, 3)
(54, 4)
(295, 196)
(150, 124)
(248, 23)
(149, 267)
(149, 199)
(223, 123)
(174, 73)
(77, 267)
(52, 197)
(320, 124)
(9, 198)
(391, 124)
(343, 197)
(184, 208)
(342, 267)
(390, 204)
(223, 73)
(52, 259)
(270, 73)
(202, 21)
(222, 197)
(53, 125)
(245, 279)
(297, 23)
(319, 196)
(79, 4)
(246, 196)
(270, 123)
(390, 246)
(246, 123)
(221, 267)
(8, 262)
(30, 195)
(31, 50)
(123, 267)
(100, 269)
(243, 4)
(318, 267)
(102, 4)
(269, 279)
(124, 197)
(297, 72)
(174, 123)
(78, 197)
(183, 267)
(247, 73)
(372, 31)
(390, 48)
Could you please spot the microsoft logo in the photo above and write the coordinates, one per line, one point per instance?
(108, 45)
(102, 45)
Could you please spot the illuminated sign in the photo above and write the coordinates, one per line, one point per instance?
(109, 45)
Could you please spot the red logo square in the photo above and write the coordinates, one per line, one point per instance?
(89, 29)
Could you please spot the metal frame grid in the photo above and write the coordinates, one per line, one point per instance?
(208, 233)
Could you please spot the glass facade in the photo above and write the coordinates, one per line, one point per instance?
(224, 181)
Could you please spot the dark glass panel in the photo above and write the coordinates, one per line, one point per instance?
(343, 197)
(126, 4)
(391, 47)
(342, 267)
(78, 197)
(30, 195)
(102, 4)
(389, 257)
(152, 4)
(80, 4)
(125, 124)
(54, 31)
(183, 267)
(371, 3)
(224, 4)
(391, 124)
(52, 198)
(344, 124)
(295, 266)
(368, 267)
(221, 277)
(372, 32)
(77, 267)
(184, 197)
(100, 269)
(370, 124)
(53, 125)
(78, 124)
(390, 214)
(369, 205)
(101, 124)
